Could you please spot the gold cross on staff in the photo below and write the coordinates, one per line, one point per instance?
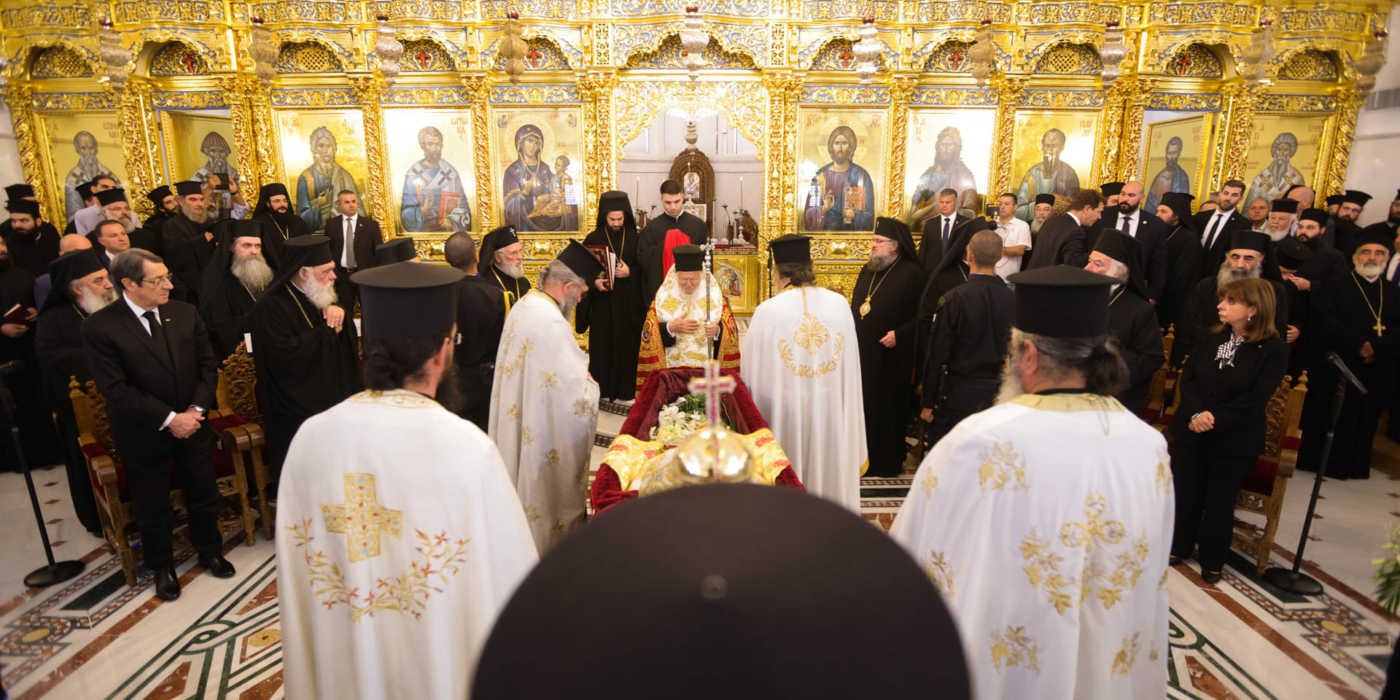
(712, 384)
(361, 518)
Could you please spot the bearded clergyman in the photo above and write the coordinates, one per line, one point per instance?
(280, 223)
(236, 276)
(679, 327)
(304, 348)
(502, 263)
(544, 405)
(1247, 257)
(188, 243)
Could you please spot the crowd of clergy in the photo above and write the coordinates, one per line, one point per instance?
(430, 427)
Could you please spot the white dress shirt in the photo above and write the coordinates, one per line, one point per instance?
(1013, 233)
(1134, 220)
(1216, 219)
(145, 323)
(347, 259)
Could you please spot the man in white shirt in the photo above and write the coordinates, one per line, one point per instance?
(1215, 224)
(1015, 236)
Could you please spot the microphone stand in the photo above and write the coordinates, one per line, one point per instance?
(55, 571)
(1294, 580)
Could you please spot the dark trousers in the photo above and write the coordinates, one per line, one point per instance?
(148, 469)
(345, 290)
(966, 396)
(1206, 487)
(476, 394)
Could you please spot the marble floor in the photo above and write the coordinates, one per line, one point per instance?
(94, 637)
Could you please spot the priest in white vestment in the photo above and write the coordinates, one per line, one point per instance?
(1046, 520)
(802, 366)
(399, 536)
(544, 404)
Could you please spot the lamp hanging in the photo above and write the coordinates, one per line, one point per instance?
(867, 50)
(114, 55)
(513, 47)
(694, 40)
(1260, 51)
(388, 49)
(982, 54)
(1113, 52)
(1370, 63)
(263, 50)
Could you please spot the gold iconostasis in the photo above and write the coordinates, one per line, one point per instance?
(453, 144)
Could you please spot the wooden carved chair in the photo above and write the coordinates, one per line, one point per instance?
(238, 425)
(109, 484)
(1163, 382)
(1264, 488)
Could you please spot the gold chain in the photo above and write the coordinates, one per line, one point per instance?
(309, 324)
(865, 308)
(516, 282)
(1379, 328)
(1119, 294)
(285, 237)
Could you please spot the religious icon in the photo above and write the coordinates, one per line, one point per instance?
(425, 148)
(737, 275)
(77, 143)
(1052, 148)
(840, 195)
(1175, 156)
(324, 154)
(540, 181)
(692, 185)
(1282, 154)
(959, 142)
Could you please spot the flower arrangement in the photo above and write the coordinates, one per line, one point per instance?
(678, 419)
(1388, 572)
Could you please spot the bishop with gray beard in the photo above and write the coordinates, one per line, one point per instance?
(305, 347)
(236, 274)
(1248, 257)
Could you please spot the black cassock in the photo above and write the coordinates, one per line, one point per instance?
(654, 242)
(58, 342)
(515, 289)
(36, 432)
(1344, 322)
(304, 367)
(1183, 271)
(481, 316)
(277, 231)
(225, 311)
(887, 374)
(1200, 315)
(31, 253)
(187, 253)
(613, 319)
(969, 337)
(1132, 320)
(944, 280)
(1326, 264)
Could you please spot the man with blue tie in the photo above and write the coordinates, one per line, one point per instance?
(942, 232)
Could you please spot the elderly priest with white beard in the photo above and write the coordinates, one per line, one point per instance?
(544, 406)
(236, 275)
(802, 366)
(399, 537)
(677, 327)
(1065, 597)
(304, 348)
(502, 263)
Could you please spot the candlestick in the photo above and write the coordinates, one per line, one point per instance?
(741, 192)
(637, 191)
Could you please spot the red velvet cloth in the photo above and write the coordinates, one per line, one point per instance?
(606, 491)
(674, 237)
(223, 466)
(1261, 478)
(666, 385)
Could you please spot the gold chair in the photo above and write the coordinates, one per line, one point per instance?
(238, 424)
(1266, 484)
(108, 476)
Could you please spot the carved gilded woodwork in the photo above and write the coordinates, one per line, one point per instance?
(367, 89)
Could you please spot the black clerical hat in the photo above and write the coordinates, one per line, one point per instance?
(395, 251)
(1180, 204)
(1381, 236)
(898, 231)
(611, 201)
(792, 248)
(188, 187)
(106, 197)
(1045, 199)
(407, 300)
(1292, 252)
(496, 239)
(298, 252)
(581, 261)
(23, 206)
(1317, 215)
(1356, 197)
(714, 612)
(159, 194)
(272, 189)
(1125, 249)
(1246, 239)
(73, 265)
(689, 258)
(1284, 206)
(1062, 301)
(84, 190)
(1110, 189)
(19, 191)
(1335, 200)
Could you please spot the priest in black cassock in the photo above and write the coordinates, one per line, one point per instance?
(46, 231)
(673, 217)
(280, 223)
(885, 304)
(949, 273)
(1391, 223)
(36, 431)
(613, 316)
(33, 242)
(1183, 257)
(1293, 255)
(502, 263)
(80, 287)
(1345, 232)
(969, 337)
(187, 241)
(236, 275)
(166, 206)
(1132, 321)
(1249, 254)
(1354, 320)
(481, 316)
(304, 346)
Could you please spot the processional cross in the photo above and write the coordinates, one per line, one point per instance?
(361, 517)
(712, 384)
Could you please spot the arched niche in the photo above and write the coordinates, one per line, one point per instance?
(668, 55)
(427, 54)
(1068, 58)
(1308, 63)
(296, 57)
(1196, 60)
(173, 58)
(542, 53)
(57, 61)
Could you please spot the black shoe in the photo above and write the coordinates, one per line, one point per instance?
(217, 565)
(167, 583)
(1173, 560)
(1211, 577)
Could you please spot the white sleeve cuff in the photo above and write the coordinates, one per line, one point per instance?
(168, 418)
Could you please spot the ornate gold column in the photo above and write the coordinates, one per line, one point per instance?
(1134, 109)
(238, 91)
(479, 88)
(20, 97)
(600, 170)
(1338, 152)
(1004, 135)
(901, 87)
(780, 156)
(260, 111)
(1239, 115)
(1111, 134)
(367, 89)
(137, 144)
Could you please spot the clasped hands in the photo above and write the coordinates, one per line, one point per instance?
(335, 317)
(685, 324)
(186, 424)
(1202, 422)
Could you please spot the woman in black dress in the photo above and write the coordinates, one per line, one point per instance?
(1219, 426)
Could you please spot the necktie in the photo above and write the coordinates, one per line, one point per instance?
(349, 244)
(946, 225)
(1127, 224)
(157, 333)
(1213, 230)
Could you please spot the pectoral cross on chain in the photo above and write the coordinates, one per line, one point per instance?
(712, 385)
(1379, 328)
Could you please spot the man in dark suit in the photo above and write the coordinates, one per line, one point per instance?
(1214, 224)
(1063, 240)
(152, 361)
(187, 241)
(111, 239)
(945, 229)
(1149, 231)
(481, 316)
(364, 235)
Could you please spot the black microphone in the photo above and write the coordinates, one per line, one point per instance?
(11, 367)
(1335, 359)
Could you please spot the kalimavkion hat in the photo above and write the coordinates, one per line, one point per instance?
(581, 261)
(159, 194)
(19, 191)
(1316, 215)
(1335, 200)
(1246, 239)
(1292, 252)
(1045, 199)
(689, 258)
(407, 300)
(1356, 197)
(23, 206)
(395, 251)
(792, 248)
(1110, 189)
(1062, 302)
(188, 187)
(106, 197)
(1381, 236)
(1284, 206)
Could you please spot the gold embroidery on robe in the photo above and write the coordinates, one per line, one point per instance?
(1015, 648)
(549, 379)
(582, 407)
(1003, 468)
(1069, 403)
(1164, 472)
(1123, 660)
(930, 482)
(940, 572)
(811, 335)
(1108, 585)
(361, 517)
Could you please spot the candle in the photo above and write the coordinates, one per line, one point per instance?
(637, 191)
(741, 195)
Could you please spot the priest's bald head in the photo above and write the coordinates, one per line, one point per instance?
(1059, 337)
(409, 321)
